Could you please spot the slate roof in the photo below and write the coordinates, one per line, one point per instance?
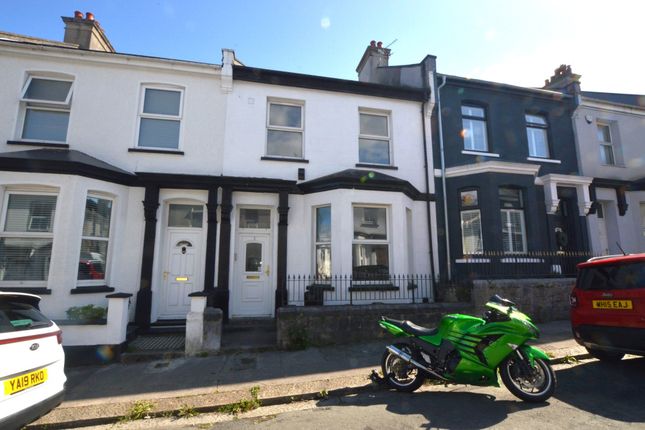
(63, 161)
(624, 99)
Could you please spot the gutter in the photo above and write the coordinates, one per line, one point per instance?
(443, 180)
(427, 179)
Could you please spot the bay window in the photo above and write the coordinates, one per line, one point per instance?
(95, 239)
(370, 248)
(322, 242)
(27, 237)
(513, 227)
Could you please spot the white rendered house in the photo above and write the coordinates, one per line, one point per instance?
(161, 178)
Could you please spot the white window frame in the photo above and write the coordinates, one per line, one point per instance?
(538, 126)
(387, 241)
(483, 119)
(317, 243)
(604, 144)
(44, 105)
(27, 234)
(388, 138)
(506, 219)
(463, 238)
(105, 280)
(300, 130)
(142, 115)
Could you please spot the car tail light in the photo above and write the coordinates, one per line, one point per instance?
(59, 337)
(573, 300)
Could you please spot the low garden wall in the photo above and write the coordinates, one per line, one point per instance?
(542, 299)
(302, 326)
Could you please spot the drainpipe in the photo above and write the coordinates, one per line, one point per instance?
(427, 173)
(443, 180)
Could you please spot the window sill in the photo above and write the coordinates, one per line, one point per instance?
(473, 260)
(34, 143)
(320, 287)
(43, 291)
(377, 166)
(91, 289)
(620, 166)
(544, 160)
(289, 160)
(480, 153)
(157, 151)
(374, 287)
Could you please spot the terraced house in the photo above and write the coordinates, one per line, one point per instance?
(148, 179)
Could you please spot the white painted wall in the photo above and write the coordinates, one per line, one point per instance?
(627, 126)
(331, 129)
(105, 105)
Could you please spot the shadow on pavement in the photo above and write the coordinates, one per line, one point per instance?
(611, 390)
(445, 409)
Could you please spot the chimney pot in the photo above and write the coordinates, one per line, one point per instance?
(379, 45)
(89, 16)
(373, 43)
(78, 14)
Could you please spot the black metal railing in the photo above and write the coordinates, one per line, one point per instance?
(309, 290)
(500, 265)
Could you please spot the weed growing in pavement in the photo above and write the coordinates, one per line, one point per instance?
(323, 394)
(243, 405)
(569, 359)
(140, 409)
(186, 411)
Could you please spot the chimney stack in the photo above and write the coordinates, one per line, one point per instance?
(86, 32)
(563, 80)
(375, 56)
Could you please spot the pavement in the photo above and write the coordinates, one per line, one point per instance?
(106, 394)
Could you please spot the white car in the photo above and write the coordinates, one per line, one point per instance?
(32, 361)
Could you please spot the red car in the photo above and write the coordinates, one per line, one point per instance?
(608, 306)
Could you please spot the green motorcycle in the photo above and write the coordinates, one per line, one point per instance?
(469, 350)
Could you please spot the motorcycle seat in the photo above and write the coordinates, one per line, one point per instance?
(410, 327)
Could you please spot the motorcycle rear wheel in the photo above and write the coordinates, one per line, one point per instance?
(398, 374)
(536, 387)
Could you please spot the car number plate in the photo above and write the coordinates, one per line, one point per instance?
(22, 382)
(612, 304)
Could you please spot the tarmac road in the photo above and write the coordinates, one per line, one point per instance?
(590, 395)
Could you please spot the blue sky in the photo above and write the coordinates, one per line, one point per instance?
(518, 42)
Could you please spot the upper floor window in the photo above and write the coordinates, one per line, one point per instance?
(322, 239)
(513, 228)
(46, 109)
(95, 239)
(285, 129)
(374, 138)
(160, 118)
(606, 145)
(474, 132)
(27, 236)
(536, 132)
(371, 248)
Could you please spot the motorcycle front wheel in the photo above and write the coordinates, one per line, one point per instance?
(537, 386)
(398, 374)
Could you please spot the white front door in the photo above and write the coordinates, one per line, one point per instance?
(182, 272)
(603, 243)
(251, 291)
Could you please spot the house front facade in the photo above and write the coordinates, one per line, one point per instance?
(609, 129)
(513, 196)
(161, 178)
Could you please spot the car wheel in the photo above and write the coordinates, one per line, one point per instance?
(607, 356)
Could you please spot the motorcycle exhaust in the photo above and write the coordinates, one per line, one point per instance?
(408, 359)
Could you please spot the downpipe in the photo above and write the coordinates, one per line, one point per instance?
(408, 359)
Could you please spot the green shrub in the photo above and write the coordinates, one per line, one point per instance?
(86, 313)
